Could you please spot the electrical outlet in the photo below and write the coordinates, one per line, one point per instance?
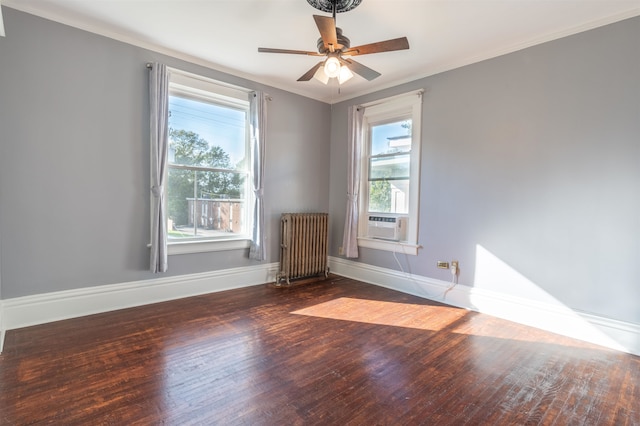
(341, 251)
(443, 265)
(454, 267)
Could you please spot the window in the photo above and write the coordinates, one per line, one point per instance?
(208, 167)
(388, 211)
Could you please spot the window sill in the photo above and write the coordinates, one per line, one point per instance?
(395, 246)
(187, 247)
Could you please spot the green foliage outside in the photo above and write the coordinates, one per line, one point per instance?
(190, 149)
(380, 196)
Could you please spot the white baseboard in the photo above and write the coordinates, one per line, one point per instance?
(1, 327)
(556, 318)
(43, 308)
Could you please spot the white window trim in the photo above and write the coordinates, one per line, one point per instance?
(408, 104)
(395, 246)
(203, 246)
(196, 86)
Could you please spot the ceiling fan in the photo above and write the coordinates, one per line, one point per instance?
(335, 46)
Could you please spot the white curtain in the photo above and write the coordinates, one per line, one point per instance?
(1, 23)
(159, 118)
(350, 236)
(258, 123)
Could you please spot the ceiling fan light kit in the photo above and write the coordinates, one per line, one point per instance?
(332, 67)
(321, 76)
(344, 75)
(334, 45)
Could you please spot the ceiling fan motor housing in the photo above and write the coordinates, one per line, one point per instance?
(343, 42)
(340, 5)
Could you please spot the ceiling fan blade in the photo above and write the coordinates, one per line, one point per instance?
(294, 52)
(362, 70)
(327, 27)
(309, 74)
(379, 47)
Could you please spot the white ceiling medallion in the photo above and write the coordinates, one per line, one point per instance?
(340, 5)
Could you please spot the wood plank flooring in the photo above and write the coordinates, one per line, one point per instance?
(335, 352)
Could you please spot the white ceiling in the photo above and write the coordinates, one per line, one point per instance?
(226, 34)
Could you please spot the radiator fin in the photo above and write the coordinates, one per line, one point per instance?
(304, 246)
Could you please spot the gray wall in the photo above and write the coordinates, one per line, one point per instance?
(533, 157)
(74, 160)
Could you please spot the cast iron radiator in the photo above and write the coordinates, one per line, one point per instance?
(304, 246)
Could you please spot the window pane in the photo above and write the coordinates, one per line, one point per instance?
(389, 196)
(205, 204)
(206, 134)
(391, 138)
(392, 167)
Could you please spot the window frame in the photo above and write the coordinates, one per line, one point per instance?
(200, 88)
(389, 110)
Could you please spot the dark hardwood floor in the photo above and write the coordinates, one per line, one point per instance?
(335, 352)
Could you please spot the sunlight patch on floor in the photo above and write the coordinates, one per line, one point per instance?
(425, 317)
(422, 317)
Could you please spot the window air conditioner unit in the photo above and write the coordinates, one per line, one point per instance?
(387, 228)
